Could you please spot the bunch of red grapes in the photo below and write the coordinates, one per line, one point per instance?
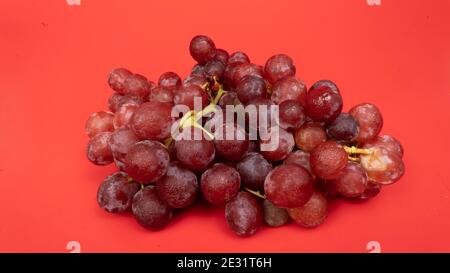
(322, 152)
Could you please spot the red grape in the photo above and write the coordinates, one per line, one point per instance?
(202, 49)
(161, 94)
(99, 122)
(292, 115)
(233, 148)
(116, 193)
(328, 160)
(220, 183)
(116, 79)
(309, 136)
(186, 95)
(169, 80)
(244, 214)
(178, 187)
(273, 215)
(198, 69)
(285, 145)
(323, 105)
(246, 69)
(289, 88)
(149, 210)
(195, 79)
(344, 128)
(146, 161)
(300, 158)
(214, 68)
(152, 120)
(278, 67)
(369, 119)
(120, 142)
(251, 87)
(122, 118)
(98, 151)
(137, 85)
(194, 154)
(221, 55)
(326, 85)
(238, 57)
(371, 191)
(353, 182)
(313, 213)
(253, 169)
(288, 186)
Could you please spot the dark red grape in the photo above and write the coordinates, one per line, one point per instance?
(278, 67)
(371, 191)
(300, 158)
(161, 94)
(228, 75)
(149, 210)
(230, 98)
(253, 169)
(246, 69)
(122, 118)
(169, 80)
(383, 166)
(113, 101)
(285, 145)
(289, 88)
(251, 87)
(99, 122)
(327, 188)
(326, 85)
(214, 68)
(152, 120)
(369, 119)
(137, 85)
(194, 154)
(198, 69)
(244, 214)
(147, 161)
(195, 79)
(313, 213)
(116, 193)
(309, 136)
(289, 186)
(202, 49)
(353, 182)
(387, 142)
(231, 141)
(116, 79)
(186, 95)
(323, 105)
(119, 143)
(220, 183)
(292, 115)
(178, 187)
(273, 215)
(238, 57)
(222, 55)
(344, 128)
(328, 160)
(98, 151)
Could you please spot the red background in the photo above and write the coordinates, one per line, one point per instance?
(55, 59)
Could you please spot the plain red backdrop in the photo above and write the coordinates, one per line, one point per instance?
(55, 59)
